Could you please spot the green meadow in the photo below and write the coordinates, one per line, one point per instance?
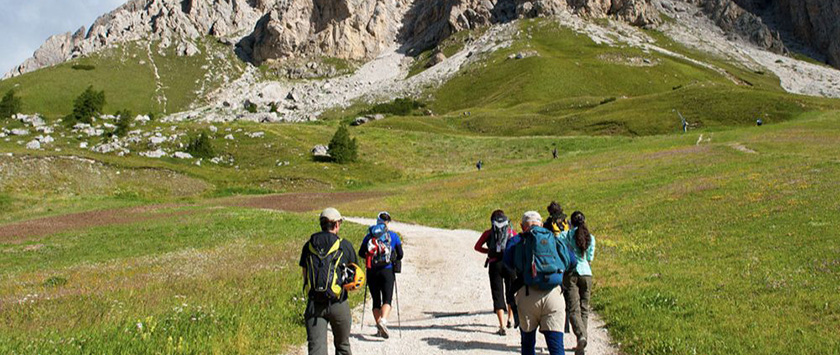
(722, 240)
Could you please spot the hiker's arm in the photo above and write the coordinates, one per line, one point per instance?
(363, 248)
(399, 251)
(479, 245)
(590, 252)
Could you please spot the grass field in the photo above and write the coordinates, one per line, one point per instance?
(722, 245)
(206, 281)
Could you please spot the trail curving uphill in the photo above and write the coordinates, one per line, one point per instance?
(445, 302)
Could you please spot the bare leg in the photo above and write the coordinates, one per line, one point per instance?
(377, 313)
(385, 312)
(501, 314)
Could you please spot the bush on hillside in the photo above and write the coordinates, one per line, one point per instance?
(10, 105)
(124, 120)
(201, 147)
(250, 107)
(343, 149)
(88, 105)
(87, 67)
(398, 107)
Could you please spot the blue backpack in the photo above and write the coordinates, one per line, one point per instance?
(379, 245)
(541, 258)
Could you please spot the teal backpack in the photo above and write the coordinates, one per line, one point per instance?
(541, 259)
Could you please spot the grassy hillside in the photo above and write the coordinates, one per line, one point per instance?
(729, 246)
(127, 75)
(569, 85)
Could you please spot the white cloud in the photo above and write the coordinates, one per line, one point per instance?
(25, 25)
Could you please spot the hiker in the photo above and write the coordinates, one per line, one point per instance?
(321, 257)
(539, 260)
(556, 221)
(759, 122)
(577, 283)
(383, 252)
(493, 243)
(554, 153)
(479, 165)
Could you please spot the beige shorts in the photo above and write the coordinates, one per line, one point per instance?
(543, 309)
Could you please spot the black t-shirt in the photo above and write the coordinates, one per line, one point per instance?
(323, 241)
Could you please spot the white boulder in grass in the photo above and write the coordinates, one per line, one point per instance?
(34, 145)
(157, 140)
(19, 132)
(182, 155)
(229, 137)
(154, 154)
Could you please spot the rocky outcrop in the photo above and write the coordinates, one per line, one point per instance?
(812, 22)
(431, 21)
(346, 29)
(734, 19)
(174, 22)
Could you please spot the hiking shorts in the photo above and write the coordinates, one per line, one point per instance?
(500, 285)
(540, 308)
(381, 283)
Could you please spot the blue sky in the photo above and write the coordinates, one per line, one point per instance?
(26, 24)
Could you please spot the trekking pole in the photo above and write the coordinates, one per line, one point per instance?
(397, 291)
(364, 305)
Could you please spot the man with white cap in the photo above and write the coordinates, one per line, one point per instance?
(327, 300)
(382, 251)
(539, 260)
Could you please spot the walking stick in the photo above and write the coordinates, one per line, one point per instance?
(364, 305)
(397, 291)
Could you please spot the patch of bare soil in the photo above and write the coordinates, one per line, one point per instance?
(35, 229)
(300, 202)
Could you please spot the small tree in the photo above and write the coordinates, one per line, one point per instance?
(342, 148)
(201, 147)
(10, 105)
(124, 120)
(87, 105)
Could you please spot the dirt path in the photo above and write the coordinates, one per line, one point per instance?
(445, 302)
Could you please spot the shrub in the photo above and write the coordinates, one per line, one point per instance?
(10, 105)
(398, 107)
(201, 147)
(607, 100)
(250, 107)
(86, 106)
(342, 148)
(124, 120)
(83, 67)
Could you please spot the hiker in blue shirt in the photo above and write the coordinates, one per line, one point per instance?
(577, 283)
(540, 260)
(382, 251)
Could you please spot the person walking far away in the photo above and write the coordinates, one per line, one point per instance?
(493, 243)
(540, 259)
(554, 153)
(383, 253)
(479, 165)
(326, 259)
(577, 284)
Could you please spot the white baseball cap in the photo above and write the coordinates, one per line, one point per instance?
(332, 214)
(531, 217)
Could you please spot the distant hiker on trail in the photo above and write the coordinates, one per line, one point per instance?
(324, 259)
(577, 283)
(479, 165)
(556, 221)
(759, 122)
(554, 153)
(540, 260)
(382, 251)
(493, 243)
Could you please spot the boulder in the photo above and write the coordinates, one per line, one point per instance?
(34, 145)
(320, 151)
(182, 155)
(159, 153)
(436, 59)
(19, 132)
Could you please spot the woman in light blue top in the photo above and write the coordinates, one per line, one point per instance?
(578, 282)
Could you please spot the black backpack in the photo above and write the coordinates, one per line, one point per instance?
(497, 240)
(323, 272)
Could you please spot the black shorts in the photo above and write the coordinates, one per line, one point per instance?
(381, 283)
(500, 285)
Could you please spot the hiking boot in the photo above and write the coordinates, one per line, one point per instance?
(581, 344)
(383, 328)
(501, 332)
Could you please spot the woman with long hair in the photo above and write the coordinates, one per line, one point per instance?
(493, 242)
(577, 283)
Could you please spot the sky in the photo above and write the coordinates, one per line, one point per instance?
(26, 24)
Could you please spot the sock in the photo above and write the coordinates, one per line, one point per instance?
(529, 342)
(555, 342)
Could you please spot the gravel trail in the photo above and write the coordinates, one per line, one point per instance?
(445, 302)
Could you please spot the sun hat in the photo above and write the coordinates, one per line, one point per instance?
(383, 217)
(531, 217)
(332, 215)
